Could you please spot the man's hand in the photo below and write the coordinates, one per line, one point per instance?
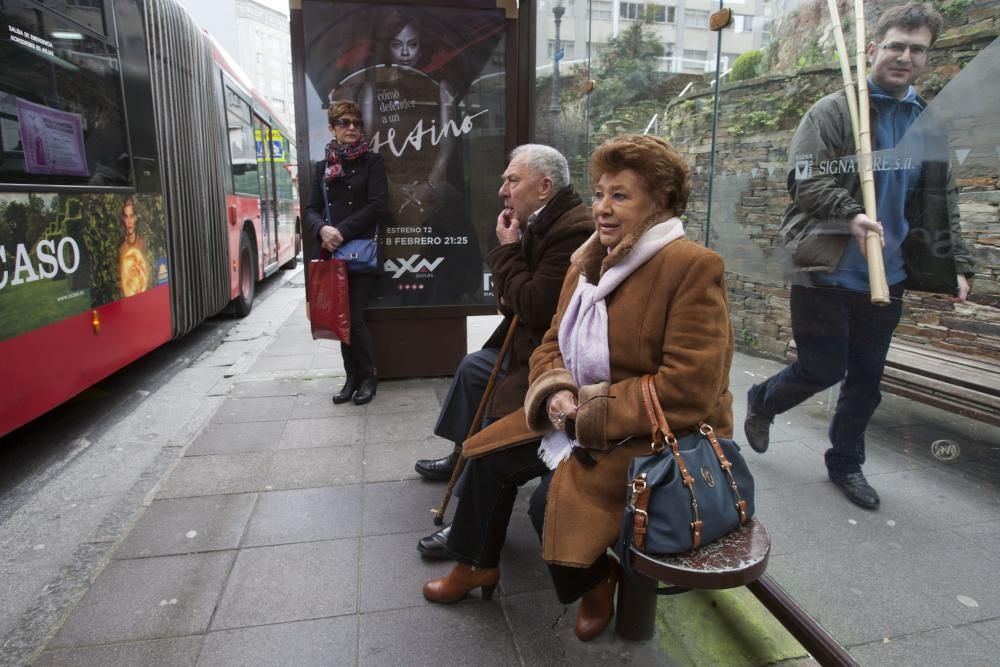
(964, 287)
(508, 227)
(330, 238)
(860, 225)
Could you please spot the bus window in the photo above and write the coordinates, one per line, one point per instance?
(61, 108)
(242, 145)
(88, 13)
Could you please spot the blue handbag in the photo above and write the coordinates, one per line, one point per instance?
(361, 255)
(689, 492)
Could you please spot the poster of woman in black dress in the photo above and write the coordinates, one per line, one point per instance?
(430, 86)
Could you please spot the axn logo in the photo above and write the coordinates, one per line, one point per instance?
(412, 264)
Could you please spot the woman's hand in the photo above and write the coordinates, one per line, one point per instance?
(561, 407)
(330, 238)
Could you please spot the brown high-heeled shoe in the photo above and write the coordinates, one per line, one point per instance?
(462, 579)
(598, 606)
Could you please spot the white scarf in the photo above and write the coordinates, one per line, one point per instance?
(583, 332)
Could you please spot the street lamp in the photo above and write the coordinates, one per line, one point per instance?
(557, 10)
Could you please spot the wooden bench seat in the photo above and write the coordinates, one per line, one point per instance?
(964, 385)
(958, 383)
(738, 559)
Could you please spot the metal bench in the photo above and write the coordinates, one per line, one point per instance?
(739, 559)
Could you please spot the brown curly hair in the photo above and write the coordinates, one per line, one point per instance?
(342, 108)
(660, 166)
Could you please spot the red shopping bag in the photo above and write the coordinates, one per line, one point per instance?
(329, 304)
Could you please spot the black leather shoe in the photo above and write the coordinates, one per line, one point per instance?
(857, 489)
(366, 392)
(346, 392)
(437, 468)
(757, 426)
(433, 545)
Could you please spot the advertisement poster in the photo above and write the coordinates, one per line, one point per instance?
(430, 85)
(52, 140)
(63, 254)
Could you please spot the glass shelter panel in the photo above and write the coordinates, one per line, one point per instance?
(788, 203)
(905, 393)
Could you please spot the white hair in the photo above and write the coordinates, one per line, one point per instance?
(548, 161)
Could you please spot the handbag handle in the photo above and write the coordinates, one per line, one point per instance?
(662, 436)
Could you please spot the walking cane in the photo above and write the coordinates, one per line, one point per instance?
(476, 421)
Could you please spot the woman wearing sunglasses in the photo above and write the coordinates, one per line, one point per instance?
(356, 200)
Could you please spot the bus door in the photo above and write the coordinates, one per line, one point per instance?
(268, 195)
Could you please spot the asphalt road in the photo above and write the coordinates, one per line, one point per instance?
(66, 478)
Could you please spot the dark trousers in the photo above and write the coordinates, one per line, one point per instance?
(358, 360)
(464, 394)
(839, 335)
(479, 528)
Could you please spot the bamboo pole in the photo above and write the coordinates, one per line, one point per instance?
(873, 243)
(845, 70)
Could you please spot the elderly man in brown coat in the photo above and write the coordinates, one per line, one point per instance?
(543, 221)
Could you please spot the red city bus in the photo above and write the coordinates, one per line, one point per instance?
(144, 186)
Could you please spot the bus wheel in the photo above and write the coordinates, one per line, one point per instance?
(243, 303)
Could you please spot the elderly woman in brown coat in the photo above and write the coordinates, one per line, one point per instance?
(638, 299)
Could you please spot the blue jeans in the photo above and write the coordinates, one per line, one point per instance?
(840, 335)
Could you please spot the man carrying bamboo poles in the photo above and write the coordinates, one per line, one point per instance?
(543, 221)
(841, 326)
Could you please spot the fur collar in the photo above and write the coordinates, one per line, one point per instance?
(593, 259)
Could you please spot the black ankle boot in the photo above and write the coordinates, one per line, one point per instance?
(366, 392)
(437, 468)
(346, 392)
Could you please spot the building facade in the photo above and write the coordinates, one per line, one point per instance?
(681, 25)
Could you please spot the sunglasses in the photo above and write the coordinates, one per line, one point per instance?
(345, 123)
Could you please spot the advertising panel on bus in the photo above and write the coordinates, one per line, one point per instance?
(430, 85)
(66, 253)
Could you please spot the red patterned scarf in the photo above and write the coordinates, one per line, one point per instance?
(336, 154)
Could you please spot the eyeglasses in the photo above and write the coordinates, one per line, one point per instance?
(345, 123)
(899, 48)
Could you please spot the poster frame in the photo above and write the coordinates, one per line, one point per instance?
(518, 94)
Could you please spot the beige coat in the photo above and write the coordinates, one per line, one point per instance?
(670, 318)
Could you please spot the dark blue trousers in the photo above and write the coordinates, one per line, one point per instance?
(839, 335)
(465, 392)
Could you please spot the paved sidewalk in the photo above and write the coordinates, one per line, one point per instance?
(285, 535)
